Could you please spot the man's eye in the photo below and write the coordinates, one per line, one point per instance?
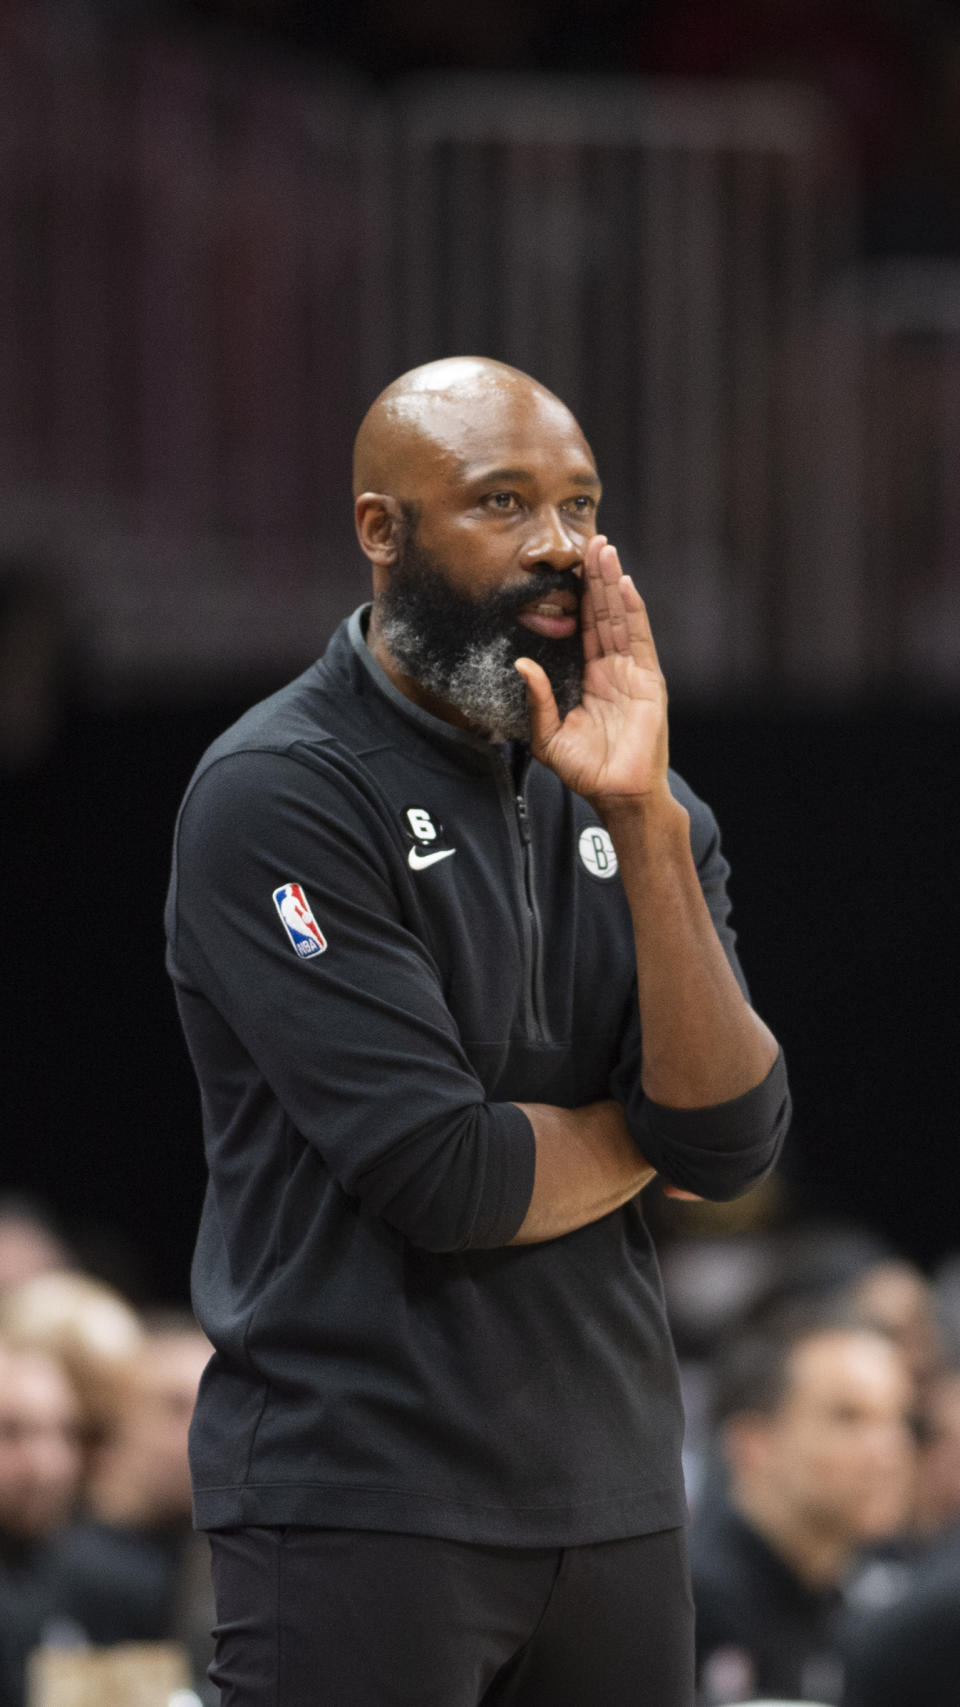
(503, 500)
(582, 504)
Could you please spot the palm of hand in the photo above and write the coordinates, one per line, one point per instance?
(614, 743)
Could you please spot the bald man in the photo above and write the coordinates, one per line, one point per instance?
(426, 903)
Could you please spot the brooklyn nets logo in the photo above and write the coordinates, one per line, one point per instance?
(596, 851)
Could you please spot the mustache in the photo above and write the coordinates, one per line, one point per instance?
(510, 601)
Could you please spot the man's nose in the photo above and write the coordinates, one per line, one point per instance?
(551, 544)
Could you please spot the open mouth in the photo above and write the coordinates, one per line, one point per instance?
(555, 615)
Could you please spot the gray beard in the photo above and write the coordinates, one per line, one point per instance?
(462, 650)
(483, 683)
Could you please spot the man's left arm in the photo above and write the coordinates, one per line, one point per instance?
(712, 1076)
(702, 1041)
(717, 1150)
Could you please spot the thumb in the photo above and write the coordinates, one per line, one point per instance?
(544, 716)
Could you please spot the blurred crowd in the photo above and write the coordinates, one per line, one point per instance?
(822, 1386)
(96, 1543)
(822, 1389)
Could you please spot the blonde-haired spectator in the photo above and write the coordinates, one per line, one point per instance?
(143, 1476)
(94, 1332)
(59, 1581)
(140, 1498)
(40, 1457)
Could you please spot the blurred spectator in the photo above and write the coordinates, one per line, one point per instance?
(143, 1479)
(946, 1293)
(139, 1502)
(938, 1469)
(40, 1458)
(715, 1281)
(29, 1243)
(814, 1410)
(40, 1469)
(894, 1294)
(909, 1655)
(94, 1332)
(889, 1571)
(49, 1590)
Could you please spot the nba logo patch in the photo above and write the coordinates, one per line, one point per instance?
(299, 923)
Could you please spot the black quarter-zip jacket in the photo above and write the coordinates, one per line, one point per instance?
(384, 1358)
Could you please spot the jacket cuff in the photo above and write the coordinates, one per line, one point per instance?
(724, 1149)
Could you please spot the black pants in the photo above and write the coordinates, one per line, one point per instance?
(347, 1618)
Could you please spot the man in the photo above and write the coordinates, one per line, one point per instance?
(438, 1444)
(815, 1418)
(909, 1652)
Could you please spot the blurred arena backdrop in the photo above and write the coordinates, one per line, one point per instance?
(728, 235)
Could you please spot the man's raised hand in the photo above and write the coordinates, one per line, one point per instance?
(614, 743)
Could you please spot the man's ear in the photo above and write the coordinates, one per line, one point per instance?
(379, 520)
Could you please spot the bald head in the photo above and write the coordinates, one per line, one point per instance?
(475, 500)
(441, 413)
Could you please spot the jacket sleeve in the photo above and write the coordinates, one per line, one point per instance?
(355, 1043)
(721, 1151)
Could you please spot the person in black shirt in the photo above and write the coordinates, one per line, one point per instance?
(814, 1417)
(452, 955)
(909, 1655)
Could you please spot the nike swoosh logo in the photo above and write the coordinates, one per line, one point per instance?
(418, 861)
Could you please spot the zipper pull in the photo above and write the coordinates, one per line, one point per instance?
(523, 820)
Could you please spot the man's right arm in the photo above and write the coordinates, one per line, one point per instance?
(354, 1050)
(586, 1165)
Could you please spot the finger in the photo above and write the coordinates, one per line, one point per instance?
(637, 625)
(588, 616)
(544, 716)
(601, 569)
(614, 616)
(624, 623)
(642, 646)
(614, 605)
(681, 1196)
